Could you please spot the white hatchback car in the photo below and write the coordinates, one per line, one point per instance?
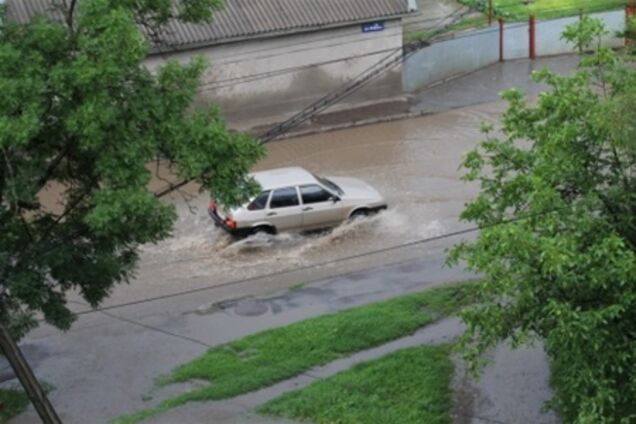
(295, 199)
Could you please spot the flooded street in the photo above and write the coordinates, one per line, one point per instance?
(413, 163)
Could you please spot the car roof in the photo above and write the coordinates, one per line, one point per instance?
(283, 177)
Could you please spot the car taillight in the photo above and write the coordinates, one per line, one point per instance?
(212, 205)
(231, 224)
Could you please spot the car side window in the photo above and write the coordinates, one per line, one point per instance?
(314, 194)
(260, 202)
(284, 197)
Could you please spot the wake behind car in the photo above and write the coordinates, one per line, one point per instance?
(295, 199)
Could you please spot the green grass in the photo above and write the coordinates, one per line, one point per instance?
(12, 403)
(546, 9)
(265, 358)
(409, 386)
(465, 23)
(518, 10)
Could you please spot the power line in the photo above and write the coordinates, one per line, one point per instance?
(354, 85)
(279, 273)
(413, 46)
(156, 329)
(286, 51)
(217, 84)
(418, 242)
(384, 64)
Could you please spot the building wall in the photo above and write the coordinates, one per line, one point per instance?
(265, 80)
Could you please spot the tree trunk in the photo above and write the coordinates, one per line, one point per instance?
(27, 378)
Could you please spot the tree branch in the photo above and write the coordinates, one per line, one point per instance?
(69, 14)
(41, 182)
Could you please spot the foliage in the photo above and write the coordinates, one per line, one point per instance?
(561, 174)
(265, 358)
(515, 10)
(81, 115)
(409, 386)
(12, 403)
(484, 6)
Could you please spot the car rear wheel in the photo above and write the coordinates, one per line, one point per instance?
(263, 229)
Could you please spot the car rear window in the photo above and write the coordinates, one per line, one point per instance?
(284, 197)
(314, 194)
(260, 202)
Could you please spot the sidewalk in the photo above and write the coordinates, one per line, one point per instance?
(105, 366)
(482, 86)
(237, 410)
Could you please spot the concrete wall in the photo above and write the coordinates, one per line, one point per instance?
(549, 41)
(447, 58)
(516, 40)
(260, 81)
(473, 50)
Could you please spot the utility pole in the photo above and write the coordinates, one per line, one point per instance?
(630, 13)
(27, 378)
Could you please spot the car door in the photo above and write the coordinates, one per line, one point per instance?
(320, 207)
(255, 212)
(284, 211)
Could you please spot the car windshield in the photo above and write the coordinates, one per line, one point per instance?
(330, 184)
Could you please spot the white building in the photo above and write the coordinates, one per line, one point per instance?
(269, 58)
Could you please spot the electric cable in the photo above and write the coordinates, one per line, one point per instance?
(327, 263)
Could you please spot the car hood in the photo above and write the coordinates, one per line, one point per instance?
(356, 189)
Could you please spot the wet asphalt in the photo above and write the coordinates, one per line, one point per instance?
(186, 300)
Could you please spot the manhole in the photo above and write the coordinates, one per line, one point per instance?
(250, 308)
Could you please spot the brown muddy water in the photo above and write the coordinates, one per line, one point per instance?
(413, 163)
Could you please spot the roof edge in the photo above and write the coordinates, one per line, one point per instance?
(266, 35)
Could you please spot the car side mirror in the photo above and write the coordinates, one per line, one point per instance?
(335, 199)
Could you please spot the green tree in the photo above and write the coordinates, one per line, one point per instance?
(81, 114)
(560, 174)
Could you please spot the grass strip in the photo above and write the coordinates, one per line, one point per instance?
(265, 358)
(408, 386)
(518, 10)
(471, 22)
(12, 403)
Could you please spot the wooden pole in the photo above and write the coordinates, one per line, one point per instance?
(490, 12)
(501, 40)
(531, 37)
(630, 12)
(27, 378)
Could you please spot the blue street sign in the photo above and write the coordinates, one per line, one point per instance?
(373, 26)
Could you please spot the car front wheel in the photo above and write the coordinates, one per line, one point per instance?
(263, 229)
(360, 213)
